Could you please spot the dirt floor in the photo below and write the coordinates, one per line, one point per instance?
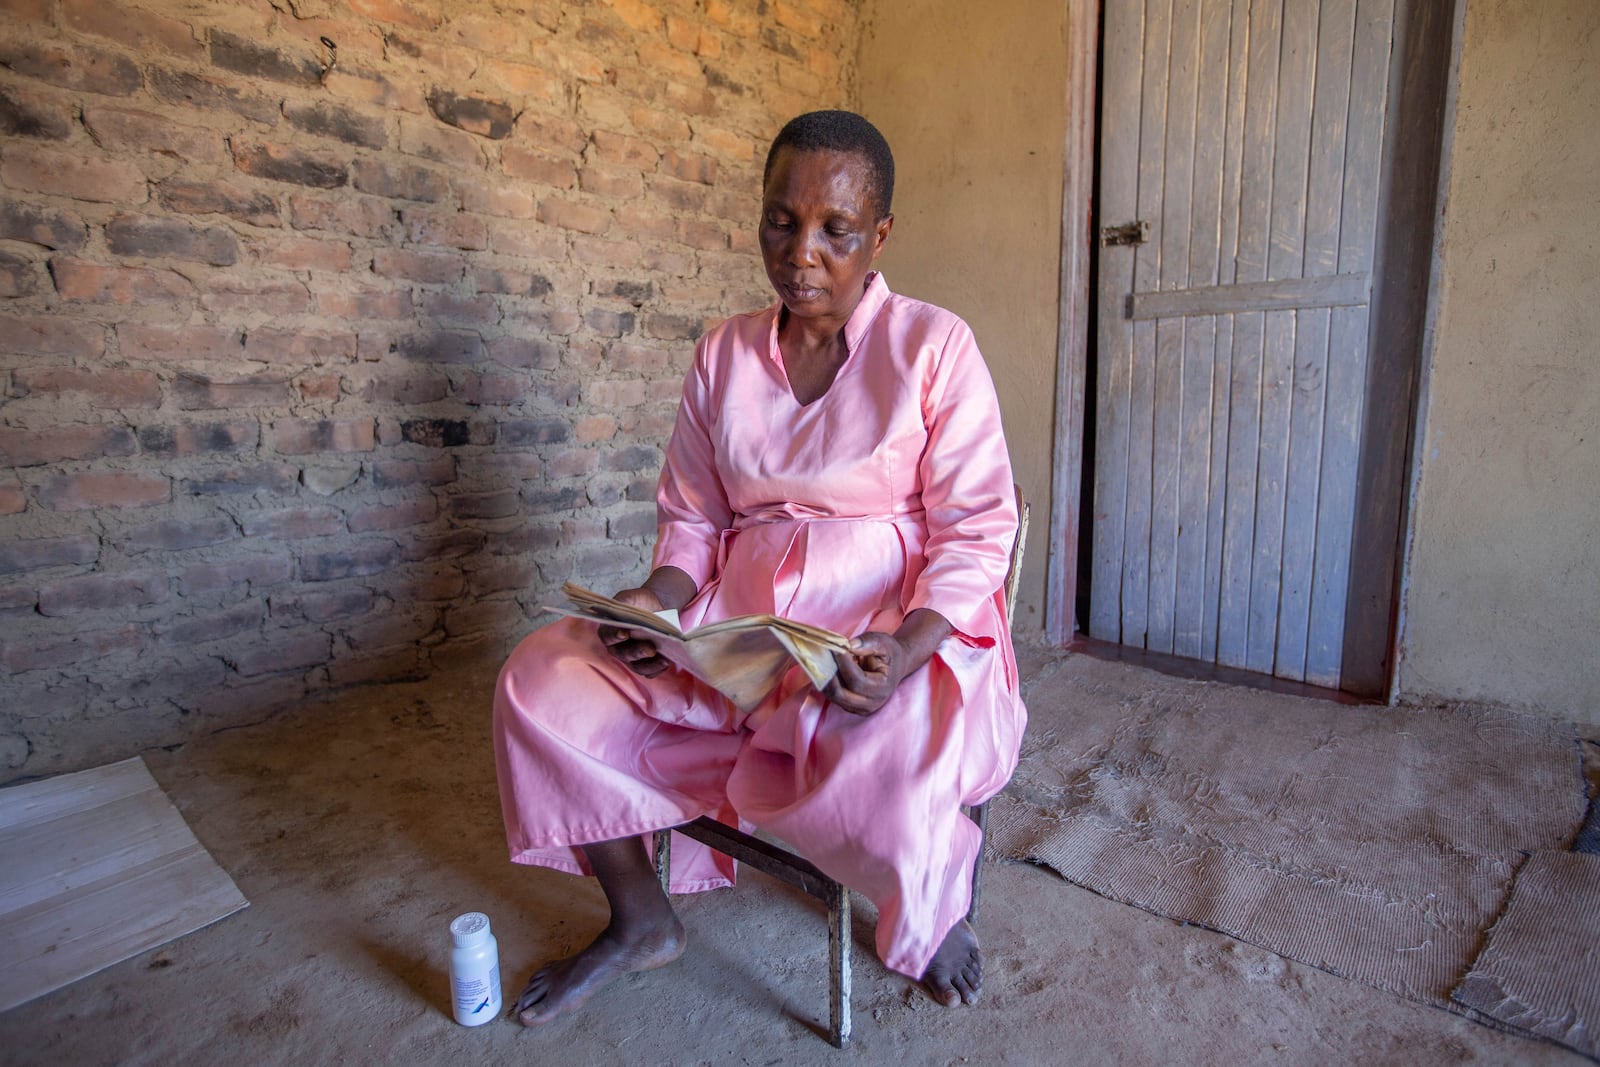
(359, 827)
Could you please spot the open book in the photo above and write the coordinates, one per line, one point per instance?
(742, 658)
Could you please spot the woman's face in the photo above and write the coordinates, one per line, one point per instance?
(819, 236)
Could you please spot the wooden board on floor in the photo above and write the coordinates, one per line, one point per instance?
(96, 867)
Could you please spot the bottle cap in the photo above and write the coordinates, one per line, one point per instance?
(470, 929)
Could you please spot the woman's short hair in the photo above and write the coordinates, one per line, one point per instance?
(840, 131)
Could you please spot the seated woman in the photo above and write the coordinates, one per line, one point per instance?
(838, 459)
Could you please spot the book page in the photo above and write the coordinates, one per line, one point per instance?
(815, 658)
(743, 658)
(590, 605)
(742, 665)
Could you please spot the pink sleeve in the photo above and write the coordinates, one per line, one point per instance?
(967, 490)
(691, 505)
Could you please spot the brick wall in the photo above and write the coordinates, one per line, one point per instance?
(336, 334)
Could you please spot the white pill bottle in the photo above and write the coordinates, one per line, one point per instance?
(474, 970)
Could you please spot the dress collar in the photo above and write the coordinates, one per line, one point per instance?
(872, 301)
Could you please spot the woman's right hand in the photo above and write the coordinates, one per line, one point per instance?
(639, 654)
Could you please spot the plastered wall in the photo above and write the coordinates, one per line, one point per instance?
(1503, 597)
(972, 98)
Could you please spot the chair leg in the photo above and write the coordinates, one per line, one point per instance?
(663, 851)
(980, 815)
(839, 965)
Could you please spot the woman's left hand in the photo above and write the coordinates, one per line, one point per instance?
(877, 662)
(868, 673)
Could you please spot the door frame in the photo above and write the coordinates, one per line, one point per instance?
(1423, 80)
(1074, 320)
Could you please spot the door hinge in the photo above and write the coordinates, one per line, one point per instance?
(1129, 233)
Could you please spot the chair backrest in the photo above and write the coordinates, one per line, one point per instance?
(1014, 570)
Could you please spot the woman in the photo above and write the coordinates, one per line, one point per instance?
(837, 458)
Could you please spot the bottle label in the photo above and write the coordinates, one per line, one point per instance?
(476, 996)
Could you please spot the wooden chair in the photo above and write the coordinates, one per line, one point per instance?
(778, 862)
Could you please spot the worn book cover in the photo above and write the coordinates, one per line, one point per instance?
(742, 658)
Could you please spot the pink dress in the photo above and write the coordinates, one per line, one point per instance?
(891, 492)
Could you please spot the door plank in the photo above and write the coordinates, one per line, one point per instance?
(1272, 462)
(1199, 357)
(1285, 259)
(1119, 171)
(1291, 157)
(1300, 492)
(1200, 333)
(1329, 124)
(1217, 488)
(1146, 275)
(1341, 440)
(1238, 530)
(1222, 366)
(1331, 290)
(1255, 201)
(1347, 351)
(1330, 107)
(1167, 431)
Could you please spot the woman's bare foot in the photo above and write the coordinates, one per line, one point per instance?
(955, 974)
(563, 985)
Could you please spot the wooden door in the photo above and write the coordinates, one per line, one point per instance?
(1233, 341)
